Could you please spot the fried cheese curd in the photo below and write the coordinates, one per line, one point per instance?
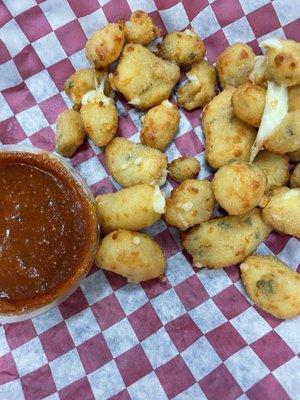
(134, 255)
(282, 211)
(222, 242)
(132, 164)
(183, 168)
(286, 136)
(190, 203)
(248, 103)
(282, 62)
(69, 132)
(294, 98)
(239, 187)
(272, 285)
(227, 137)
(182, 48)
(295, 177)
(133, 208)
(105, 45)
(234, 65)
(99, 116)
(143, 78)
(200, 88)
(140, 28)
(275, 166)
(160, 125)
(82, 81)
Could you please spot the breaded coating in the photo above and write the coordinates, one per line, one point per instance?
(160, 125)
(99, 116)
(248, 103)
(133, 208)
(201, 86)
(282, 212)
(286, 137)
(190, 203)
(227, 137)
(134, 255)
(183, 168)
(282, 61)
(222, 242)
(239, 187)
(294, 98)
(295, 177)
(82, 81)
(143, 78)
(183, 48)
(272, 285)
(140, 28)
(132, 164)
(275, 167)
(69, 132)
(105, 46)
(294, 155)
(234, 65)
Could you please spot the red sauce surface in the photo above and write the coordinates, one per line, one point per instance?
(46, 226)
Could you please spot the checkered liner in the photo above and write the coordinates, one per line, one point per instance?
(196, 337)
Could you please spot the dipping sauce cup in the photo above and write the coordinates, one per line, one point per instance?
(48, 231)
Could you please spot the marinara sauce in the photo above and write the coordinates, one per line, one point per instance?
(48, 230)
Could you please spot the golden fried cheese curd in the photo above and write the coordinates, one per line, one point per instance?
(132, 164)
(140, 28)
(69, 133)
(200, 88)
(190, 203)
(222, 242)
(282, 61)
(234, 65)
(82, 81)
(248, 103)
(99, 115)
(286, 136)
(272, 285)
(183, 48)
(133, 208)
(160, 125)
(239, 187)
(282, 211)
(105, 45)
(183, 168)
(134, 255)
(275, 166)
(143, 78)
(227, 137)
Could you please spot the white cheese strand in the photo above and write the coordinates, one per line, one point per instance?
(97, 95)
(275, 110)
(159, 201)
(193, 78)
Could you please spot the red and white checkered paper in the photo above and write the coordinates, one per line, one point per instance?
(195, 337)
